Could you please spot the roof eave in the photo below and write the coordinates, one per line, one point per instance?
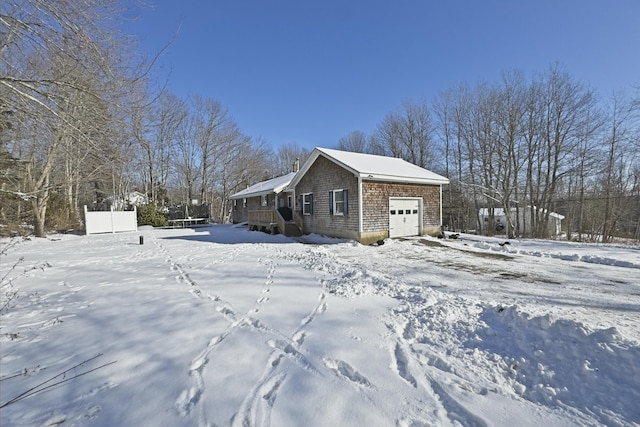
(278, 190)
(262, 189)
(403, 179)
(248, 195)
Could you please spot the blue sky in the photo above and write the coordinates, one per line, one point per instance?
(310, 72)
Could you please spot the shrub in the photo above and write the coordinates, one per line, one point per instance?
(151, 215)
(60, 216)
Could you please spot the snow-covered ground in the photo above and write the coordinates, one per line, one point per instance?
(219, 326)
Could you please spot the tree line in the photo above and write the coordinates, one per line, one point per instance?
(83, 123)
(542, 144)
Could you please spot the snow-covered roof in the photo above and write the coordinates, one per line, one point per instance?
(374, 168)
(274, 185)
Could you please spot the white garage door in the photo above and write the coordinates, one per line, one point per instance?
(404, 217)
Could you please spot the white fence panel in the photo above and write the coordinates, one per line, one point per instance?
(110, 222)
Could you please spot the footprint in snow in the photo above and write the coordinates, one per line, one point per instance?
(299, 337)
(320, 308)
(226, 312)
(293, 354)
(402, 365)
(343, 370)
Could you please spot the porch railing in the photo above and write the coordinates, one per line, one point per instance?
(272, 219)
(262, 217)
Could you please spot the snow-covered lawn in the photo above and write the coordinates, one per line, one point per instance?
(219, 326)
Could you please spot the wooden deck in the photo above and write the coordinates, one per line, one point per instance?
(272, 221)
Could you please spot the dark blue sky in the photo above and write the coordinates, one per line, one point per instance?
(310, 72)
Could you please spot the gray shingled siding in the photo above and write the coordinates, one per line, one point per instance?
(375, 196)
(322, 177)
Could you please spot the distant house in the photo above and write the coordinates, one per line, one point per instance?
(554, 227)
(350, 195)
(134, 198)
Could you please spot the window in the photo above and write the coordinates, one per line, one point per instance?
(338, 202)
(264, 199)
(307, 203)
(244, 203)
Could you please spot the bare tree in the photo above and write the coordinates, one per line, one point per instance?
(511, 153)
(621, 156)
(356, 141)
(407, 134)
(565, 108)
(286, 156)
(213, 158)
(582, 173)
(155, 128)
(452, 109)
(216, 135)
(57, 69)
(187, 162)
(243, 164)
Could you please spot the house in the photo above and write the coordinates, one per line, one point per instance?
(134, 198)
(501, 223)
(265, 204)
(350, 195)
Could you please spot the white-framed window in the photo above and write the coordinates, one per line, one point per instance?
(338, 202)
(244, 203)
(264, 199)
(306, 201)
